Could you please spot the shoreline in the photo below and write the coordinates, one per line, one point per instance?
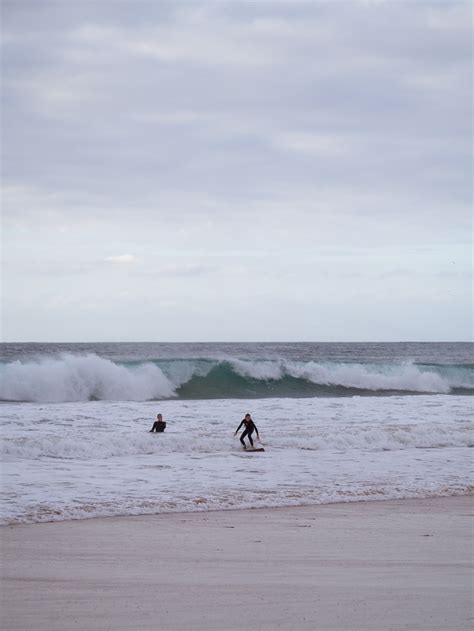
(362, 500)
(385, 564)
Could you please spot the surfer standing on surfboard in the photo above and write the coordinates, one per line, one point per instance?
(249, 428)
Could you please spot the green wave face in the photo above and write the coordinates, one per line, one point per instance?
(226, 380)
(73, 377)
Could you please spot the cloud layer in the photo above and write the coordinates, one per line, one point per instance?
(180, 163)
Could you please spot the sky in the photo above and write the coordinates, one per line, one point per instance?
(236, 171)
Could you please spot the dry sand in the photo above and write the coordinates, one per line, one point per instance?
(376, 565)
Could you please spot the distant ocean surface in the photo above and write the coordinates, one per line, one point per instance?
(340, 422)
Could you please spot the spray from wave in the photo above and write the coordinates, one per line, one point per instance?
(71, 377)
(82, 378)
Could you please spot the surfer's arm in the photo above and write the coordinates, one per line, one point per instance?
(238, 428)
(256, 430)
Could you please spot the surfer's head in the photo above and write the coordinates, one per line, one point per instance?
(248, 417)
(159, 416)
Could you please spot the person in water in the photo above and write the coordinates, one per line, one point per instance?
(159, 425)
(248, 431)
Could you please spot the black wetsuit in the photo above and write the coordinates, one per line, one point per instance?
(158, 426)
(249, 429)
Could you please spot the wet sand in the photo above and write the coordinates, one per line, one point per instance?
(404, 564)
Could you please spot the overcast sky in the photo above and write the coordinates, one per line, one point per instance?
(236, 171)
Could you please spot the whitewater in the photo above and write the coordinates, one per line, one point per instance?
(338, 422)
(87, 377)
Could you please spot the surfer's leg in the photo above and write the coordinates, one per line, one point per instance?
(250, 437)
(242, 436)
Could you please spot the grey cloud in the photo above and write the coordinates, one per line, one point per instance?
(234, 129)
(97, 111)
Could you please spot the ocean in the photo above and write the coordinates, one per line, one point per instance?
(339, 422)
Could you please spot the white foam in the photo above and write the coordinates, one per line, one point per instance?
(85, 444)
(80, 378)
(83, 377)
(407, 377)
(83, 459)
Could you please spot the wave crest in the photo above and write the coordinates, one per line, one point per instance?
(82, 378)
(90, 377)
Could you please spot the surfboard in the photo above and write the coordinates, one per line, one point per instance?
(254, 449)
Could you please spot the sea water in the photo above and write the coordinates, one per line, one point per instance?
(339, 422)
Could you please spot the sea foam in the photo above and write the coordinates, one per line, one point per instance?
(91, 458)
(82, 378)
(70, 377)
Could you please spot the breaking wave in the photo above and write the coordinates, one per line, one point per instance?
(70, 377)
(375, 437)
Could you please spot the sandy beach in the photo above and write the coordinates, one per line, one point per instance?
(403, 564)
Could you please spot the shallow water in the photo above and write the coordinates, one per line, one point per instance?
(85, 459)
